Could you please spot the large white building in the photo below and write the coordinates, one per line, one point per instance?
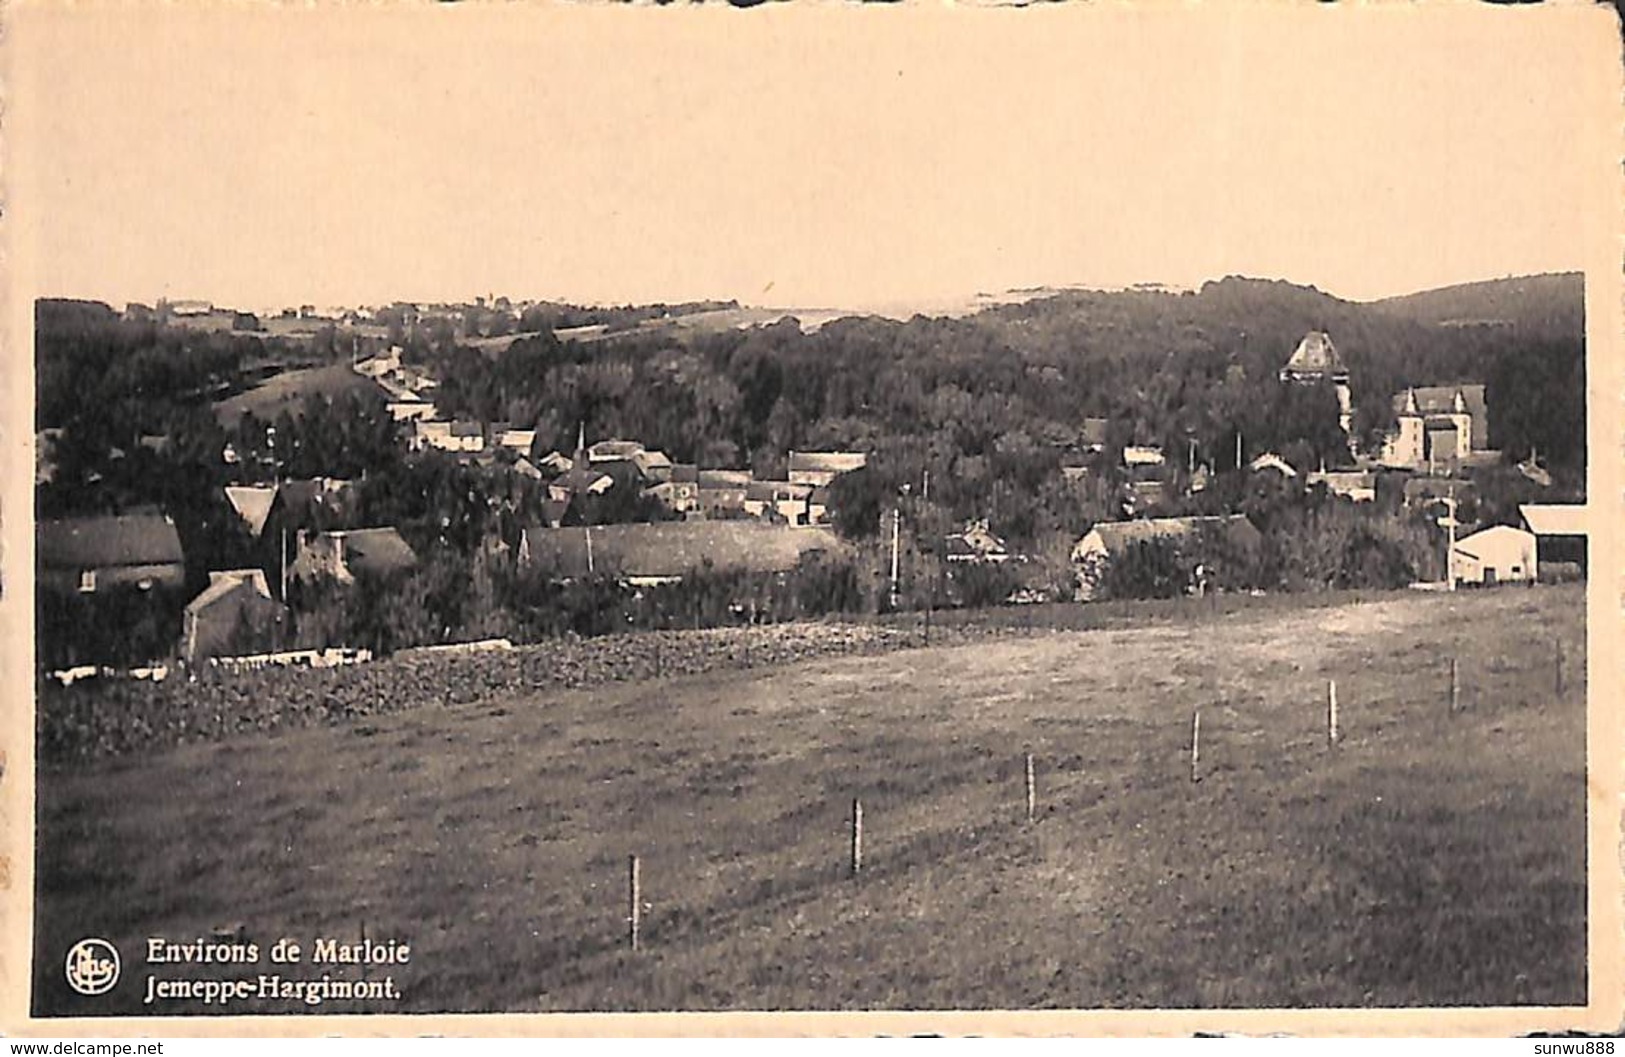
(1499, 554)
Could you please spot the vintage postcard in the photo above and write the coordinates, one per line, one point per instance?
(812, 519)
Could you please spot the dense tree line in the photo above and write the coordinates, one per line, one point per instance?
(989, 406)
(963, 418)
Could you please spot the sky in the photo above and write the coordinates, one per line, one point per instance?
(803, 155)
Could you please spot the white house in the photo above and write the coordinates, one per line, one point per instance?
(1143, 455)
(519, 440)
(1498, 554)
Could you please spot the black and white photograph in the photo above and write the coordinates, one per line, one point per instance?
(947, 509)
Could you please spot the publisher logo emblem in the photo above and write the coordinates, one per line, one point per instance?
(93, 967)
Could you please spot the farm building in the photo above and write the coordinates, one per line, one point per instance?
(234, 615)
(1498, 554)
(341, 555)
(664, 552)
(1110, 540)
(90, 554)
(1560, 532)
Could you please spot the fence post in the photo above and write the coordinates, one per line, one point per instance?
(634, 899)
(1032, 789)
(1455, 685)
(1331, 713)
(1196, 744)
(857, 836)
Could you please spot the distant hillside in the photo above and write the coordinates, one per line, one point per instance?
(1548, 306)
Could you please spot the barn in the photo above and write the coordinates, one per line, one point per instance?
(1560, 538)
(1496, 555)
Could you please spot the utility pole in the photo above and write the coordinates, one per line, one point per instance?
(1238, 449)
(896, 534)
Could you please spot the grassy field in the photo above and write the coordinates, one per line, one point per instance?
(287, 392)
(1432, 859)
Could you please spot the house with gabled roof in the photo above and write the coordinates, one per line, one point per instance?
(234, 615)
(1109, 541)
(1497, 555)
(516, 440)
(91, 554)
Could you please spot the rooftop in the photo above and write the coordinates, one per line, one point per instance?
(673, 548)
(103, 542)
(1315, 354)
